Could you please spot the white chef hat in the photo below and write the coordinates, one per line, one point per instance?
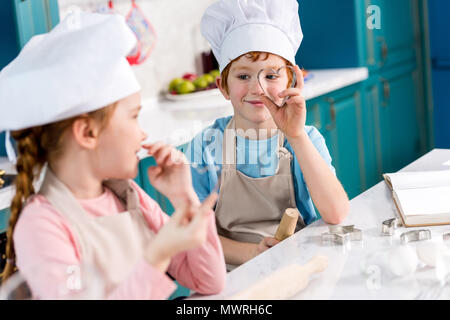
(78, 67)
(235, 27)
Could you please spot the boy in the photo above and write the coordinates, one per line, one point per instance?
(268, 159)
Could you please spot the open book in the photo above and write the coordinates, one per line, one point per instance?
(422, 198)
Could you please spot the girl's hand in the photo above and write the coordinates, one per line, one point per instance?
(172, 175)
(264, 244)
(187, 229)
(292, 117)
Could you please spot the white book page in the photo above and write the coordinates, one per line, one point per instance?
(420, 179)
(424, 201)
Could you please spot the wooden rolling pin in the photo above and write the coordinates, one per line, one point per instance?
(283, 283)
(287, 224)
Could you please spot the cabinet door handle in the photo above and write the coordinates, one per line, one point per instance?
(386, 92)
(317, 122)
(332, 125)
(384, 50)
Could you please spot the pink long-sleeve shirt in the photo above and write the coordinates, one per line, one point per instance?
(46, 247)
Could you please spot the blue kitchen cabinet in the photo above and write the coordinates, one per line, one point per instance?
(399, 127)
(440, 62)
(345, 36)
(395, 42)
(8, 35)
(396, 111)
(340, 124)
(19, 21)
(346, 141)
(331, 37)
(35, 17)
(4, 217)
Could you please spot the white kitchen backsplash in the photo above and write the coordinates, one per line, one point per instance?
(179, 41)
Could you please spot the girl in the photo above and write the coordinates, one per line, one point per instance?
(269, 160)
(88, 216)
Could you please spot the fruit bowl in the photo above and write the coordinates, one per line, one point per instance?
(191, 86)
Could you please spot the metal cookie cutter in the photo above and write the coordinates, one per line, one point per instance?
(388, 227)
(341, 235)
(334, 238)
(415, 235)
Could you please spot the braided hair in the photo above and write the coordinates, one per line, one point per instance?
(36, 147)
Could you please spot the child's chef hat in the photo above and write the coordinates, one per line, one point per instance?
(235, 27)
(78, 67)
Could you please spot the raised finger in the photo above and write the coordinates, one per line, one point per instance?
(291, 92)
(296, 100)
(152, 148)
(162, 154)
(209, 202)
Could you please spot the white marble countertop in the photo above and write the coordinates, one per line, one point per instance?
(347, 274)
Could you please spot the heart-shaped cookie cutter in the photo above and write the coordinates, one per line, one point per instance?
(277, 72)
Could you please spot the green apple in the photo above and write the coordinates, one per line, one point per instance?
(174, 83)
(215, 73)
(208, 77)
(200, 83)
(185, 86)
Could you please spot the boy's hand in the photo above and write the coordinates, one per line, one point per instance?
(264, 244)
(292, 117)
(172, 175)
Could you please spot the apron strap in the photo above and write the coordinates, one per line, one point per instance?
(229, 145)
(229, 149)
(62, 199)
(55, 191)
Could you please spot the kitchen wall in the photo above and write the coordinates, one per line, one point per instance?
(179, 41)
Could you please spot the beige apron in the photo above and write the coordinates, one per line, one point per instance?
(112, 244)
(249, 209)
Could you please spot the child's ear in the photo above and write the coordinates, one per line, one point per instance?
(219, 85)
(85, 132)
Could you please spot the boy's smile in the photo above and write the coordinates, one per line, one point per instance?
(255, 103)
